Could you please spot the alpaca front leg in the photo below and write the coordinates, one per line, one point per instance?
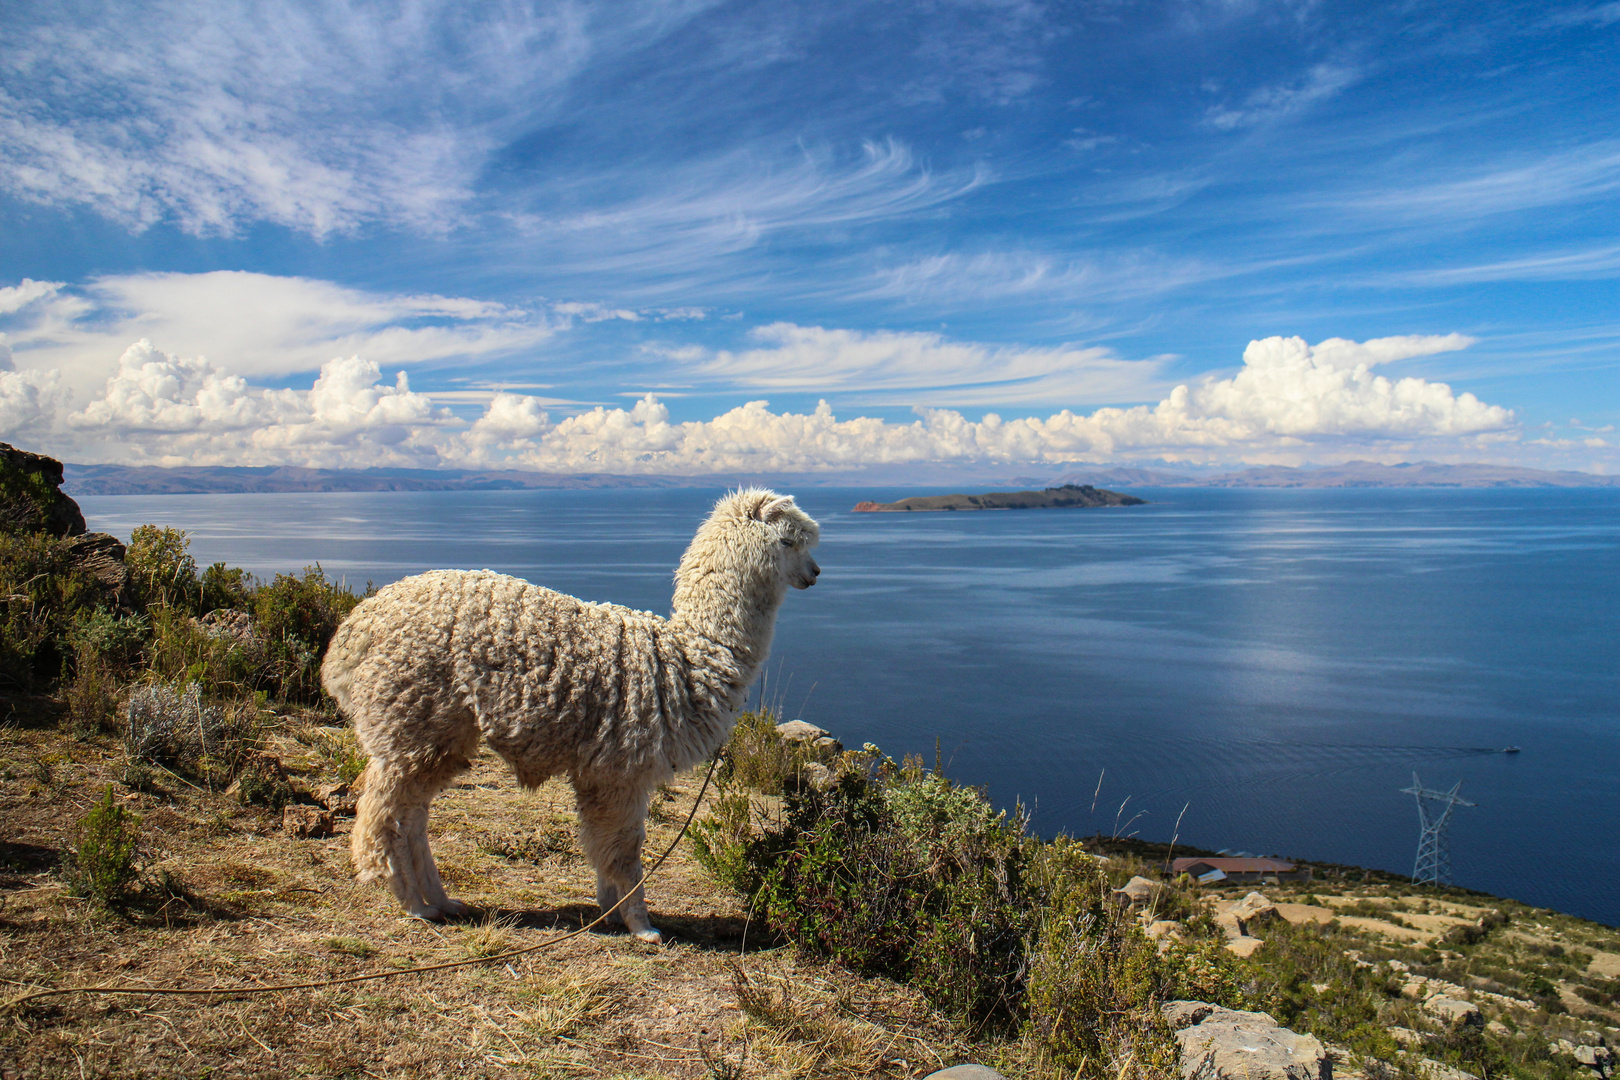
(612, 829)
(429, 886)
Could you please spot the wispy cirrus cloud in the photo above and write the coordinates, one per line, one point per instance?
(1522, 182)
(924, 368)
(1590, 263)
(660, 229)
(1282, 101)
(276, 325)
(317, 118)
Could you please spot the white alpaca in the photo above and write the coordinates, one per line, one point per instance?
(618, 700)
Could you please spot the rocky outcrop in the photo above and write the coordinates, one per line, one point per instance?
(800, 731)
(101, 555)
(1227, 1044)
(1454, 1012)
(1137, 892)
(1238, 920)
(31, 499)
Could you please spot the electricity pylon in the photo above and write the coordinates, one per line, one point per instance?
(1433, 859)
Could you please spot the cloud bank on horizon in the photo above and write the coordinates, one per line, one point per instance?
(653, 237)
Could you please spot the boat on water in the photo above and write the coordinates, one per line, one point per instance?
(1510, 749)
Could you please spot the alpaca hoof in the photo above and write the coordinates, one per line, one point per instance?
(452, 909)
(650, 936)
(425, 912)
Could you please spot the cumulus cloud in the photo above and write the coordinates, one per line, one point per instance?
(172, 409)
(922, 367)
(30, 401)
(14, 298)
(1288, 400)
(1288, 394)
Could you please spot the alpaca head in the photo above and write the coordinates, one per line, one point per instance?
(753, 546)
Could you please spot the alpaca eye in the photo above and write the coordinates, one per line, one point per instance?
(786, 542)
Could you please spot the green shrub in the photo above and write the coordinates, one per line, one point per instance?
(102, 864)
(902, 874)
(42, 596)
(296, 616)
(92, 695)
(757, 757)
(162, 572)
(1095, 981)
(227, 587)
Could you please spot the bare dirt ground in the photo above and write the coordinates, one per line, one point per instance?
(247, 904)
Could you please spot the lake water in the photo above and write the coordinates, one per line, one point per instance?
(1270, 666)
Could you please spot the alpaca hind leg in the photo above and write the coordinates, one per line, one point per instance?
(390, 837)
(612, 829)
(381, 843)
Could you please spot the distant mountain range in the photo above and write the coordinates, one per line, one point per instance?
(150, 480)
(1350, 474)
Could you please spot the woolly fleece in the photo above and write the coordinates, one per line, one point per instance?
(618, 700)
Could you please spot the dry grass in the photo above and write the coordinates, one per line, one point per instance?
(256, 906)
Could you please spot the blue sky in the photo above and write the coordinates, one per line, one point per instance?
(771, 237)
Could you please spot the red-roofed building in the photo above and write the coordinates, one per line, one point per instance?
(1213, 869)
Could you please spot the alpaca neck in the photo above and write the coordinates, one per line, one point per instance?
(730, 614)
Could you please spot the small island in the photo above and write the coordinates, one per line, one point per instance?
(1069, 495)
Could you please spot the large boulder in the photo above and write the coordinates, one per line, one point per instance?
(31, 498)
(1227, 1044)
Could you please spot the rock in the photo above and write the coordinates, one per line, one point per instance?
(1430, 1069)
(1183, 1014)
(31, 499)
(1254, 910)
(1453, 1012)
(828, 745)
(1398, 965)
(337, 798)
(1226, 1044)
(1230, 924)
(1499, 1029)
(1598, 1058)
(1244, 946)
(966, 1072)
(819, 776)
(1159, 928)
(1137, 891)
(1416, 988)
(101, 555)
(306, 822)
(800, 731)
(1405, 1037)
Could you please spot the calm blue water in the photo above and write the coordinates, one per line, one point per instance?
(1276, 662)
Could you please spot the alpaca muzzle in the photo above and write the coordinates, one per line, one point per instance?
(807, 577)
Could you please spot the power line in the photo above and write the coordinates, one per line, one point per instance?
(1433, 863)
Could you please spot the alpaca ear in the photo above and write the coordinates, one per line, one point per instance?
(770, 511)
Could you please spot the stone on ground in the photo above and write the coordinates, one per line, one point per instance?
(1226, 1044)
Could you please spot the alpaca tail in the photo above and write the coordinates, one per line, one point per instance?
(373, 831)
